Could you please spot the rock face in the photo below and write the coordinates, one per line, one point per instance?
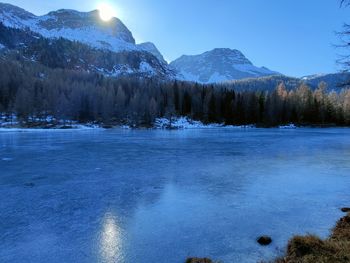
(218, 65)
(264, 240)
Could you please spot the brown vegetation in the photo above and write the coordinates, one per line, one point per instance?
(199, 260)
(311, 249)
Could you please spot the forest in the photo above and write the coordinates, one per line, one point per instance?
(34, 93)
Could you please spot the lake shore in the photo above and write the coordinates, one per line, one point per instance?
(310, 248)
(176, 123)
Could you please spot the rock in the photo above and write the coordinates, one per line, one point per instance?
(345, 209)
(199, 260)
(264, 240)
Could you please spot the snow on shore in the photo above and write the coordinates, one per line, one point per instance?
(186, 123)
(289, 126)
(175, 123)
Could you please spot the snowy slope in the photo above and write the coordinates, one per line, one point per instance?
(84, 27)
(218, 65)
(65, 54)
(73, 25)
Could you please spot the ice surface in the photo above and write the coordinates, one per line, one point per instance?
(159, 196)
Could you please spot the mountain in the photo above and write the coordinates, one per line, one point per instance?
(72, 55)
(218, 65)
(83, 42)
(86, 28)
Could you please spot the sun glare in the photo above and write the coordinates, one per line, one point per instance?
(106, 11)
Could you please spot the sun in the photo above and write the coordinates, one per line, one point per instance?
(106, 11)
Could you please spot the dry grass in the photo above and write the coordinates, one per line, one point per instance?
(311, 249)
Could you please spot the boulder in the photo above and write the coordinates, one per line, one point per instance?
(345, 209)
(264, 240)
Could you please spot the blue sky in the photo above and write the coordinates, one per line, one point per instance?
(294, 37)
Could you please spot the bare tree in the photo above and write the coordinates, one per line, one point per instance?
(345, 44)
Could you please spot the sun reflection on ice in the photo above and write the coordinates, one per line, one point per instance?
(111, 240)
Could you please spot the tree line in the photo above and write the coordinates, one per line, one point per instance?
(34, 92)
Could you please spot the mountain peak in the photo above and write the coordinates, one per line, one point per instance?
(226, 51)
(217, 65)
(8, 10)
(234, 55)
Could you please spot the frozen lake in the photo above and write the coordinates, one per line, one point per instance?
(161, 196)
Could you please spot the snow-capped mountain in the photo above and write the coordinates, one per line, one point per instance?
(113, 36)
(218, 65)
(88, 29)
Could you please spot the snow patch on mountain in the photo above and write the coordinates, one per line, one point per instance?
(315, 76)
(121, 70)
(146, 68)
(215, 78)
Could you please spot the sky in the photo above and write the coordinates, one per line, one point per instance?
(294, 37)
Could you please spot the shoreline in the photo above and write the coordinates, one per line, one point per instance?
(82, 127)
(178, 123)
(310, 248)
